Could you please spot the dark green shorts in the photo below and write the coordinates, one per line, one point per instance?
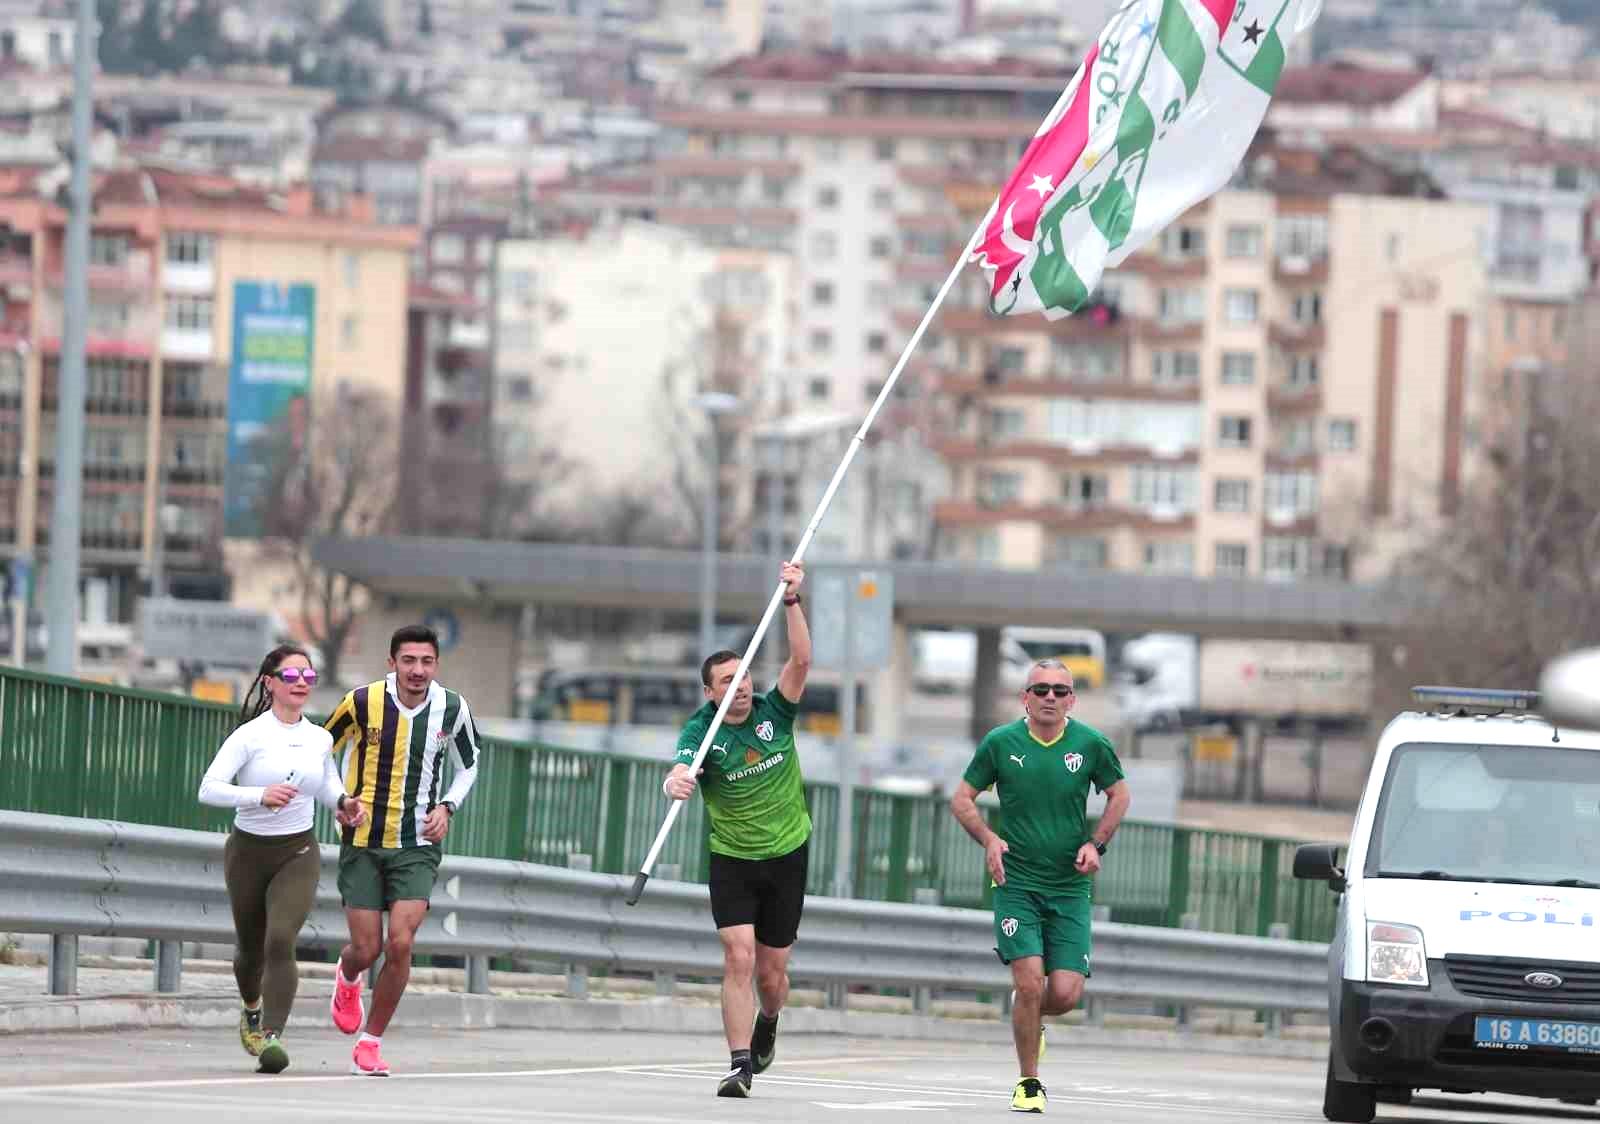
(1056, 927)
(377, 877)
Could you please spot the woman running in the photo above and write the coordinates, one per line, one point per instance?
(271, 768)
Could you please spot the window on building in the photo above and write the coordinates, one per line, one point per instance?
(112, 317)
(1238, 368)
(1001, 423)
(1232, 560)
(189, 313)
(1232, 495)
(1306, 308)
(880, 247)
(821, 341)
(829, 148)
(1169, 556)
(1233, 432)
(187, 247)
(1008, 361)
(1286, 557)
(1297, 437)
(1181, 306)
(350, 332)
(1303, 236)
(1241, 306)
(822, 292)
(882, 199)
(1244, 241)
(883, 149)
(1303, 372)
(1079, 552)
(999, 488)
(1341, 435)
(1174, 368)
(108, 249)
(449, 249)
(1290, 494)
(518, 388)
(1085, 490)
(827, 197)
(1164, 488)
(1183, 242)
(824, 245)
(877, 343)
(1086, 362)
(818, 389)
(352, 270)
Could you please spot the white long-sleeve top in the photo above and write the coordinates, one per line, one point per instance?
(265, 751)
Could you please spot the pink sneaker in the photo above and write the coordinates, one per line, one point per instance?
(366, 1062)
(346, 1006)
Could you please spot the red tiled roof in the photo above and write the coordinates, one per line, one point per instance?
(420, 294)
(153, 184)
(1346, 84)
(1472, 117)
(827, 66)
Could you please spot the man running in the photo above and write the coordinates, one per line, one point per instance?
(1043, 870)
(398, 730)
(759, 833)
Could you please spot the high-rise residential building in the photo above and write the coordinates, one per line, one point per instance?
(168, 254)
(1275, 388)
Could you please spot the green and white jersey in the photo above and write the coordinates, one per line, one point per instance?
(752, 785)
(1044, 792)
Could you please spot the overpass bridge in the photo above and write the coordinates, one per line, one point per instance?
(483, 585)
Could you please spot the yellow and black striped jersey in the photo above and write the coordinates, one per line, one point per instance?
(394, 758)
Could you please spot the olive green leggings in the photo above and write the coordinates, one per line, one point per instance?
(272, 885)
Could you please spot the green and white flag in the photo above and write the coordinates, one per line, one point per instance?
(1156, 119)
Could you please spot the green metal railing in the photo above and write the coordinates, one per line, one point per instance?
(77, 748)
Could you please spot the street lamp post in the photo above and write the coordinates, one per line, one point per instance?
(714, 404)
(168, 518)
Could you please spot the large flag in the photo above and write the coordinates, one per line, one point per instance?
(1156, 119)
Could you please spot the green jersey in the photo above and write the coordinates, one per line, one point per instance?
(751, 786)
(1044, 790)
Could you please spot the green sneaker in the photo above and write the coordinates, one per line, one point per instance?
(250, 1036)
(274, 1058)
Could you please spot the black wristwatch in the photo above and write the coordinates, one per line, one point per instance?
(1099, 846)
(341, 802)
(794, 599)
(449, 806)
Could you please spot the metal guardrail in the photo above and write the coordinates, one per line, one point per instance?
(70, 877)
(76, 748)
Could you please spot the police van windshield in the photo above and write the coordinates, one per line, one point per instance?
(1489, 813)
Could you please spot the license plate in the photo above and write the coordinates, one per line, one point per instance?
(1536, 1034)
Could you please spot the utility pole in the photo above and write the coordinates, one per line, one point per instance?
(66, 511)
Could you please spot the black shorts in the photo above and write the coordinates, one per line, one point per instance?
(766, 893)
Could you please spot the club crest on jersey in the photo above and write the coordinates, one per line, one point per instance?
(1009, 926)
(1073, 762)
(764, 731)
(374, 735)
(751, 756)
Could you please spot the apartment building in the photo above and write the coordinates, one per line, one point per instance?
(169, 253)
(1275, 388)
(604, 335)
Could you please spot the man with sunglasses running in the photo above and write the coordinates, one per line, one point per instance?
(1043, 868)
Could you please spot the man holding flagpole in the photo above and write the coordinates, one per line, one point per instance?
(760, 830)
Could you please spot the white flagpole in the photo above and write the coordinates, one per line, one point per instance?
(805, 541)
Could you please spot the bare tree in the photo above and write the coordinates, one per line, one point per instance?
(1513, 580)
(341, 483)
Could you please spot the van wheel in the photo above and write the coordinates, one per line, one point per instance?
(1347, 1100)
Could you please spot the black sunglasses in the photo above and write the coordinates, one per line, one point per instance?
(1060, 690)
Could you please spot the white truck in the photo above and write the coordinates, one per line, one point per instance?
(1168, 680)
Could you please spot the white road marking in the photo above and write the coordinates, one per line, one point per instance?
(888, 1106)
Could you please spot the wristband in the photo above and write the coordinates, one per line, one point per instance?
(794, 600)
(339, 804)
(664, 784)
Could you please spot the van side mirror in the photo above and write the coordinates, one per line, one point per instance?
(1318, 862)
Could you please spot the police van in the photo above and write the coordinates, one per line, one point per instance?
(1466, 955)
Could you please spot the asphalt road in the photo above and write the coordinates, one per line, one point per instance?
(497, 1076)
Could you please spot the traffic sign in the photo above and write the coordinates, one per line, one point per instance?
(855, 607)
(211, 632)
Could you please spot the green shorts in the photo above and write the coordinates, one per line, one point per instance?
(377, 877)
(1056, 927)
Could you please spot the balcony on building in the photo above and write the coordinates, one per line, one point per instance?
(1284, 397)
(1300, 267)
(1297, 335)
(16, 264)
(983, 512)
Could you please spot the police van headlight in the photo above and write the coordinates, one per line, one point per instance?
(1395, 955)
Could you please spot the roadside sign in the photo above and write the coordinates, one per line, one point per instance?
(210, 632)
(858, 603)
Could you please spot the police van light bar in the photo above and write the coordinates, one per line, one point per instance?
(1474, 700)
